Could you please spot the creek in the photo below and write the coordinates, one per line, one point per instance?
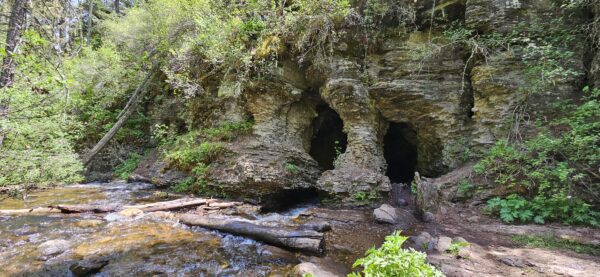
(114, 244)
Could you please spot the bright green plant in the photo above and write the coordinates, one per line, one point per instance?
(124, 170)
(392, 260)
(466, 189)
(455, 247)
(291, 168)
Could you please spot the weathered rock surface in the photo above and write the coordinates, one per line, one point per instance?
(54, 247)
(385, 214)
(454, 103)
(306, 268)
(443, 244)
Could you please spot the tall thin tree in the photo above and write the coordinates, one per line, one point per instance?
(89, 23)
(16, 25)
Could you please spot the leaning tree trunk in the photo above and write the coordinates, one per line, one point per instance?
(127, 112)
(89, 23)
(16, 24)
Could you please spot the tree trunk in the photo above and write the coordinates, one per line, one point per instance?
(16, 24)
(300, 240)
(117, 10)
(89, 23)
(127, 112)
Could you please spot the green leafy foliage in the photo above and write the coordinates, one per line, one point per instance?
(392, 260)
(291, 168)
(455, 247)
(551, 170)
(124, 170)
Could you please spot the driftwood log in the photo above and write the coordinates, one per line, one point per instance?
(299, 240)
(151, 207)
(38, 210)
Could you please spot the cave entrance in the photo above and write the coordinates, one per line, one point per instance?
(400, 152)
(329, 139)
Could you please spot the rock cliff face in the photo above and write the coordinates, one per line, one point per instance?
(443, 106)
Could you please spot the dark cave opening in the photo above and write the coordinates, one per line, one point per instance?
(329, 139)
(400, 152)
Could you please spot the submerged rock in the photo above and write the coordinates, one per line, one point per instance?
(88, 223)
(54, 247)
(306, 268)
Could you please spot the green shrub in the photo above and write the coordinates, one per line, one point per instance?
(517, 209)
(392, 260)
(455, 247)
(186, 158)
(466, 189)
(291, 168)
(227, 131)
(549, 176)
(124, 170)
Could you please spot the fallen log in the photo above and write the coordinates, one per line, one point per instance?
(301, 240)
(95, 208)
(171, 205)
(38, 210)
(150, 207)
(71, 209)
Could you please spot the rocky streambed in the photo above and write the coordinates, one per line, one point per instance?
(135, 243)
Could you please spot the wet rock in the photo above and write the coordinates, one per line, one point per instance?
(162, 215)
(88, 223)
(319, 226)
(443, 244)
(424, 241)
(386, 214)
(131, 212)
(54, 247)
(401, 202)
(428, 217)
(311, 268)
(272, 254)
(88, 267)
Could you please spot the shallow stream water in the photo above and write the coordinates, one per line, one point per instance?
(117, 245)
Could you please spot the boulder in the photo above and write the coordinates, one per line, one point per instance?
(386, 214)
(306, 268)
(54, 247)
(423, 241)
(443, 244)
(88, 223)
(131, 212)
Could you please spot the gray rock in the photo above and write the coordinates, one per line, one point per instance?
(401, 202)
(464, 253)
(473, 219)
(428, 217)
(458, 239)
(319, 226)
(424, 241)
(443, 243)
(54, 247)
(385, 214)
(272, 254)
(310, 268)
